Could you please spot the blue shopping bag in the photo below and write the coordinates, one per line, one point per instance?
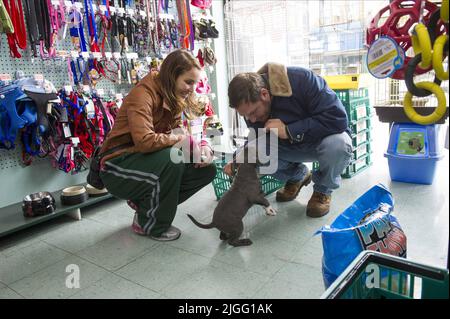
(366, 225)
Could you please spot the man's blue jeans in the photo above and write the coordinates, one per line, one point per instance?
(333, 153)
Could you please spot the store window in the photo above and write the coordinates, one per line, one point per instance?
(323, 35)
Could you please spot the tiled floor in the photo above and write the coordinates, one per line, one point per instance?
(283, 262)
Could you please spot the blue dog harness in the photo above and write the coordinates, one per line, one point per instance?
(10, 121)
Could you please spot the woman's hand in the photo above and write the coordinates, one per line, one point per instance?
(206, 156)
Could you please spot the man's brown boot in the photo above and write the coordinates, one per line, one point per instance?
(290, 190)
(318, 205)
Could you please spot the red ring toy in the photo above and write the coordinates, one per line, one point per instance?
(398, 10)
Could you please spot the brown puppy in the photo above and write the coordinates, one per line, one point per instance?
(233, 206)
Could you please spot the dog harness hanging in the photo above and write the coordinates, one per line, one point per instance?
(10, 119)
(41, 101)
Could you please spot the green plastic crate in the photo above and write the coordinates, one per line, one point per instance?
(222, 182)
(358, 110)
(361, 137)
(356, 103)
(350, 95)
(357, 166)
(361, 150)
(360, 125)
(374, 275)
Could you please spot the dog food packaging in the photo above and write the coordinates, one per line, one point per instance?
(368, 224)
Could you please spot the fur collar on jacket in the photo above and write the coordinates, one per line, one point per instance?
(278, 79)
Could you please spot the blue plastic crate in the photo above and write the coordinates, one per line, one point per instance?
(413, 153)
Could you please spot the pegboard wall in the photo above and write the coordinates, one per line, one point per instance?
(18, 180)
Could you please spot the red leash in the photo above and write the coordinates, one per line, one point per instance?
(18, 39)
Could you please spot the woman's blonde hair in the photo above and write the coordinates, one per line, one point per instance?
(174, 65)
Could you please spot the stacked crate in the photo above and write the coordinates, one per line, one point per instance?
(357, 106)
(359, 112)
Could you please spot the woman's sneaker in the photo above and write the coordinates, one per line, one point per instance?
(172, 233)
(136, 227)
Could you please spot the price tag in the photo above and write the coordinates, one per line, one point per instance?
(74, 54)
(62, 53)
(196, 126)
(119, 96)
(55, 3)
(66, 130)
(78, 5)
(166, 16)
(384, 57)
(96, 55)
(90, 109)
(85, 55)
(211, 68)
(143, 13)
(86, 88)
(108, 55)
(94, 7)
(49, 108)
(5, 77)
(112, 10)
(68, 4)
(38, 77)
(130, 12)
(121, 11)
(116, 55)
(102, 8)
(131, 55)
(68, 89)
(100, 92)
(75, 141)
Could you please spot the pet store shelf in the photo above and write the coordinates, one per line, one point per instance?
(12, 219)
(390, 114)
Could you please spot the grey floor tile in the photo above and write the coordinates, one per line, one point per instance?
(8, 293)
(280, 289)
(78, 235)
(305, 280)
(291, 224)
(18, 262)
(118, 249)
(109, 204)
(204, 242)
(163, 266)
(114, 287)
(216, 281)
(51, 282)
(115, 217)
(310, 253)
(265, 256)
(29, 236)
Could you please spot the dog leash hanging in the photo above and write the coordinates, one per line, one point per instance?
(92, 26)
(30, 14)
(18, 39)
(77, 30)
